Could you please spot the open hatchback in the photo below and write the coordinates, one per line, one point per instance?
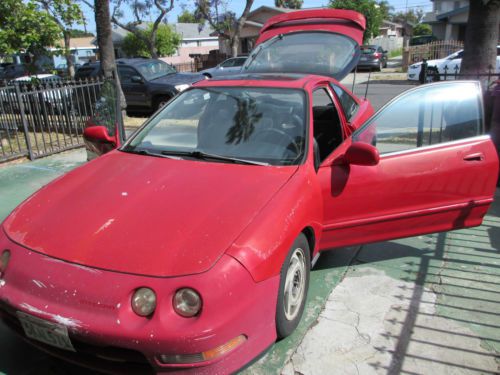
(322, 42)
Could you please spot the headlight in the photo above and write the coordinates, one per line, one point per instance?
(144, 302)
(187, 302)
(4, 261)
(182, 87)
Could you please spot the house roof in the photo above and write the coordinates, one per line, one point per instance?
(192, 31)
(83, 42)
(454, 12)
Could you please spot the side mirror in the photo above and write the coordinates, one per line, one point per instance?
(136, 79)
(360, 153)
(98, 134)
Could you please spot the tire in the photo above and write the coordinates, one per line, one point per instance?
(160, 101)
(379, 68)
(294, 283)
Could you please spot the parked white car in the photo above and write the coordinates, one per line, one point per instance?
(450, 65)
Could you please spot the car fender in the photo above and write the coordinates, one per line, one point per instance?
(264, 244)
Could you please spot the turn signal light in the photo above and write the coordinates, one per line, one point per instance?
(204, 356)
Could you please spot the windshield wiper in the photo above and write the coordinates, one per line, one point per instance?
(205, 155)
(147, 152)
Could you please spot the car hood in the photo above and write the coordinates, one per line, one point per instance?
(179, 78)
(145, 215)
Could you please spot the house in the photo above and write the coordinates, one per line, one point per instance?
(250, 31)
(194, 41)
(391, 29)
(82, 49)
(448, 19)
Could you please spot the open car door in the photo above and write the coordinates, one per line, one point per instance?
(420, 165)
(319, 41)
(104, 130)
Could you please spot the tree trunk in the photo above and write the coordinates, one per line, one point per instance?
(235, 43)
(104, 38)
(67, 53)
(480, 49)
(105, 43)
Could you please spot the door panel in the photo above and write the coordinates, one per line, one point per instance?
(435, 173)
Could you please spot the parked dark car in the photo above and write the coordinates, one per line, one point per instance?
(422, 39)
(12, 71)
(147, 83)
(372, 57)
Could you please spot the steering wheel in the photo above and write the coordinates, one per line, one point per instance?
(270, 132)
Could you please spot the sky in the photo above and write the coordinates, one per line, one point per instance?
(238, 5)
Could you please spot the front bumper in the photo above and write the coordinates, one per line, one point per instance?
(107, 335)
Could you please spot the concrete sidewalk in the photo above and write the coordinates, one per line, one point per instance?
(421, 305)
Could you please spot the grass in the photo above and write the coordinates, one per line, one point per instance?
(395, 52)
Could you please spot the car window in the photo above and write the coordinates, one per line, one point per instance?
(429, 115)
(320, 53)
(228, 63)
(326, 123)
(153, 69)
(126, 73)
(348, 104)
(259, 124)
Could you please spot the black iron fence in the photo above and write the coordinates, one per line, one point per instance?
(42, 118)
(451, 71)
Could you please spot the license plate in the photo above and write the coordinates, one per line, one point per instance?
(363, 59)
(47, 332)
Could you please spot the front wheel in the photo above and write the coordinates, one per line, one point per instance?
(294, 283)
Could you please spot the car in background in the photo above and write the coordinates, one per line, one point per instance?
(436, 69)
(12, 71)
(372, 57)
(188, 248)
(422, 39)
(147, 84)
(229, 66)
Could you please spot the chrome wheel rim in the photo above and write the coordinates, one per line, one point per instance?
(295, 284)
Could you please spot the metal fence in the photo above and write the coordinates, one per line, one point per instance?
(434, 50)
(42, 118)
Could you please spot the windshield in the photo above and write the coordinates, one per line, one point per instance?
(322, 53)
(264, 125)
(155, 69)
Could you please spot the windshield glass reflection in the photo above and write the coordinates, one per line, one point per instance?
(257, 124)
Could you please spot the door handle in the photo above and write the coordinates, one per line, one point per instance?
(474, 157)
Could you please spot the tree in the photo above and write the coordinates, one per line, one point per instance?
(291, 4)
(105, 44)
(186, 17)
(386, 9)
(23, 27)
(413, 16)
(77, 33)
(481, 37)
(65, 13)
(422, 29)
(223, 21)
(167, 42)
(369, 8)
(142, 10)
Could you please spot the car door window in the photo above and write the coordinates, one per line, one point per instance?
(326, 122)
(126, 74)
(425, 116)
(228, 63)
(347, 103)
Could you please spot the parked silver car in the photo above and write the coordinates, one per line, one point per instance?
(229, 66)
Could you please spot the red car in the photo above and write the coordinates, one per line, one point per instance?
(188, 248)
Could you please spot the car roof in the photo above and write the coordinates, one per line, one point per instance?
(134, 61)
(283, 80)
